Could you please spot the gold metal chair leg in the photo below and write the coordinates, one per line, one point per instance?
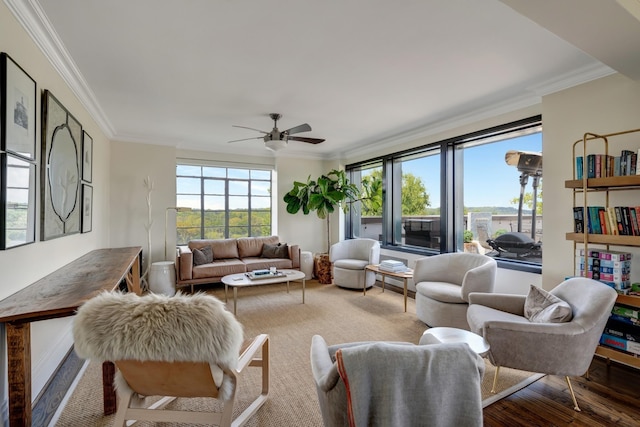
(495, 379)
(573, 396)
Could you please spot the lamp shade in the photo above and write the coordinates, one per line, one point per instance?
(275, 145)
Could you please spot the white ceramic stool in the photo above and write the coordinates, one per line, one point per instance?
(162, 278)
(306, 264)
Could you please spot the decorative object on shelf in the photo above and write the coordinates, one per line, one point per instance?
(60, 174)
(17, 155)
(87, 207)
(87, 157)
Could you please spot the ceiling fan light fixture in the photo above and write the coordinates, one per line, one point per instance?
(275, 144)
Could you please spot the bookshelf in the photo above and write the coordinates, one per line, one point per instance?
(582, 189)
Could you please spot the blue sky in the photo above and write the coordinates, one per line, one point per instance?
(488, 180)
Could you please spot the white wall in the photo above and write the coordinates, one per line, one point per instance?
(24, 265)
(607, 105)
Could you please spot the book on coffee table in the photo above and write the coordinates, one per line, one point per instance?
(264, 274)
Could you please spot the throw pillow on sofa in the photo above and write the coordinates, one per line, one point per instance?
(542, 307)
(203, 256)
(281, 250)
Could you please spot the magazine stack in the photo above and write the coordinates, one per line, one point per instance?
(393, 266)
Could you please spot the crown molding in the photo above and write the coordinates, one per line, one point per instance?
(33, 19)
(532, 96)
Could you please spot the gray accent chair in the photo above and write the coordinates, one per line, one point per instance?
(564, 349)
(427, 388)
(349, 258)
(444, 282)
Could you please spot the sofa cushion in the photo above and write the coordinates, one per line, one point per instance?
(280, 250)
(217, 269)
(202, 256)
(541, 306)
(225, 249)
(441, 291)
(351, 264)
(253, 246)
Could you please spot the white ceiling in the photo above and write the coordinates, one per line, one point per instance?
(360, 72)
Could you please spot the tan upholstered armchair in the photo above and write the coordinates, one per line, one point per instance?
(444, 282)
(431, 385)
(552, 348)
(183, 346)
(349, 258)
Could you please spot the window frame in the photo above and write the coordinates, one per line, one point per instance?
(451, 173)
(227, 180)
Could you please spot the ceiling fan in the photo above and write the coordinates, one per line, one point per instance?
(276, 139)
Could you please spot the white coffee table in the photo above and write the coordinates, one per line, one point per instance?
(454, 335)
(240, 280)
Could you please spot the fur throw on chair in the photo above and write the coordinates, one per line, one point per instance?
(185, 328)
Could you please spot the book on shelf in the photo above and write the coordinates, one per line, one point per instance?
(603, 262)
(612, 220)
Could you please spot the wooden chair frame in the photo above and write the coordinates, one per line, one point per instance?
(147, 376)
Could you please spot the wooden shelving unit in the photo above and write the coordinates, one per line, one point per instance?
(586, 186)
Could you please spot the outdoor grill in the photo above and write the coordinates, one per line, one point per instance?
(515, 242)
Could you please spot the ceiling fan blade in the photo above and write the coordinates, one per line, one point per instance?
(297, 129)
(302, 139)
(246, 139)
(244, 127)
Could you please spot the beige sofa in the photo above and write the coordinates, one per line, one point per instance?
(231, 256)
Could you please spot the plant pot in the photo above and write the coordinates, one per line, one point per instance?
(322, 268)
(471, 248)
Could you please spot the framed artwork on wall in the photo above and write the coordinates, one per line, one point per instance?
(60, 170)
(18, 195)
(17, 155)
(87, 157)
(87, 207)
(18, 106)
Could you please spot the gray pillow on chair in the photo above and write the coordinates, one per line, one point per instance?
(542, 307)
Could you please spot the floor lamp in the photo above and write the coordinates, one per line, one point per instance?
(166, 223)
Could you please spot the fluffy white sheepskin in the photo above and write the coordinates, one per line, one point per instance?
(187, 328)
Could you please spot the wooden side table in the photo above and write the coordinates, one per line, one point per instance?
(404, 275)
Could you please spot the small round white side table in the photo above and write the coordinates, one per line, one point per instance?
(306, 264)
(162, 278)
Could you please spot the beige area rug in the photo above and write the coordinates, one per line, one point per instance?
(339, 315)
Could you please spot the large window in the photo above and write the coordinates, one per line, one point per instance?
(480, 192)
(222, 202)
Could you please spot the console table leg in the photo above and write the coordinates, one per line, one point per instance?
(19, 373)
(108, 391)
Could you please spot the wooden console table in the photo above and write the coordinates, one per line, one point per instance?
(59, 295)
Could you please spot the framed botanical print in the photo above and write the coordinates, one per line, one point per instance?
(87, 157)
(18, 106)
(87, 207)
(17, 155)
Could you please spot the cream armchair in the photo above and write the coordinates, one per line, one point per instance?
(444, 282)
(349, 258)
(551, 348)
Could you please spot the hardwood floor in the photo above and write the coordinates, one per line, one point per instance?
(610, 396)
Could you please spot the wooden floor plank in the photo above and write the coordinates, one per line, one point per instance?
(607, 397)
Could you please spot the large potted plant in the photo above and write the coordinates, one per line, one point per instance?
(322, 196)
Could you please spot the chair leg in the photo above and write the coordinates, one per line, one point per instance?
(573, 396)
(123, 404)
(495, 379)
